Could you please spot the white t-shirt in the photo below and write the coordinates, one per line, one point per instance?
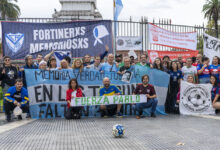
(73, 99)
(186, 71)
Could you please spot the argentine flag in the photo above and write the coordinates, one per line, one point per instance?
(118, 7)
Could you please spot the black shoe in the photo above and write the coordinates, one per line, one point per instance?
(19, 117)
(8, 118)
(28, 115)
(153, 115)
(102, 113)
(78, 116)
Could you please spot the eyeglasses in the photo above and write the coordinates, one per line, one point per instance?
(7, 60)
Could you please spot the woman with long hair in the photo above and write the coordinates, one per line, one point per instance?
(73, 92)
(52, 63)
(77, 65)
(215, 92)
(158, 64)
(175, 77)
(64, 65)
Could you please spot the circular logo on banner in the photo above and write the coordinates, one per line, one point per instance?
(153, 56)
(196, 99)
(120, 42)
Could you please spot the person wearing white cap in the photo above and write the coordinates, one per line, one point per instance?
(43, 65)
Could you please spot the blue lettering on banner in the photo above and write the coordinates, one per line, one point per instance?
(47, 89)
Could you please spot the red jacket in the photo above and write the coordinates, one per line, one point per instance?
(69, 94)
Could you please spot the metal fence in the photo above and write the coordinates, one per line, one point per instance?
(131, 28)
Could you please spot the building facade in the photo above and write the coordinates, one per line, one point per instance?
(78, 10)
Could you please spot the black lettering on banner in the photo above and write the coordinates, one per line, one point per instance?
(38, 73)
(123, 89)
(92, 76)
(93, 89)
(86, 75)
(82, 76)
(133, 87)
(37, 94)
(60, 94)
(56, 75)
(76, 74)
(128, 86)
(56, 111)
(64, 108)
(49, 111)
(97, 76)
(46, 74)
(67, 76)
(47, 93)
(41, 109)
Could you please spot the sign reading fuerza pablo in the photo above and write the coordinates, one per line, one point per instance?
(108, 100)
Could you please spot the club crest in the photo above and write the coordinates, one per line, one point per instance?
(14, 41)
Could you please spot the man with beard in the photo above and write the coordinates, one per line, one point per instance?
(149, 91)
(87, 58)
(109, 90)
(118, 59)
(16, 96)
(143, 61)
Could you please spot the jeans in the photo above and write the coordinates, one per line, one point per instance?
(150, 103)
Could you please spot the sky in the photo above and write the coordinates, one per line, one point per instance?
(185, 12)
(182, 12)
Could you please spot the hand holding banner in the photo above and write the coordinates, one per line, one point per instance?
(108, 100)
(195, 99)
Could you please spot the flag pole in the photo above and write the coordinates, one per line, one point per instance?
(114, 21)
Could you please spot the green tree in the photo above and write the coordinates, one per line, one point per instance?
(9, 9)
(211, 11)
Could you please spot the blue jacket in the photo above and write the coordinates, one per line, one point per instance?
(110, 91)
(12, 90)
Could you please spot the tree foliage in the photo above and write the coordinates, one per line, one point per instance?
(9, 9)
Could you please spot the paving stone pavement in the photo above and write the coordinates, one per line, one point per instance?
(171, 132)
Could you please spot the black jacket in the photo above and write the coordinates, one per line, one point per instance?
(10, 75)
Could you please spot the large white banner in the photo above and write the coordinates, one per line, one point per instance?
(182, 40)
(129, 43)
(195, 99)
(211, 46)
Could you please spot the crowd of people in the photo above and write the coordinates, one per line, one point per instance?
(194, 70)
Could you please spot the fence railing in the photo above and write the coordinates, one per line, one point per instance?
(131, 28)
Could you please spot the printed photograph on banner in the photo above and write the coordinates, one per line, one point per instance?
(211, 47)
(127, 76)
(195, 99)
(129, 43)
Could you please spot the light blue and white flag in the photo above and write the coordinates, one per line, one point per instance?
(47, 89)
(118, 6)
